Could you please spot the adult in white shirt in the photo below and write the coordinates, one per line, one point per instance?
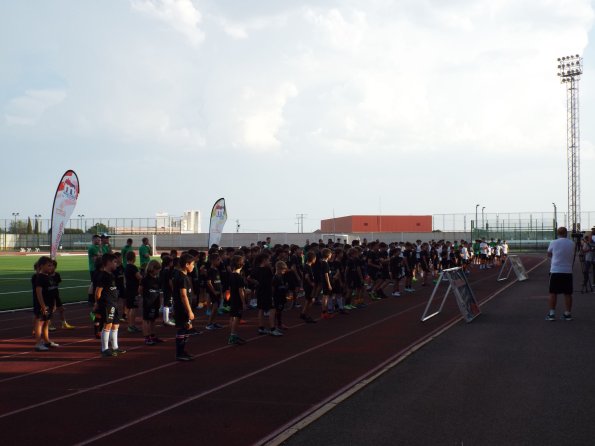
(561, 251)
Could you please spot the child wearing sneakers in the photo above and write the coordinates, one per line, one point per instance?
(165, 284)
(309, 285)
(182, 295)
(150, 291)
(106, 299)
(214, 291)
(327, 289)
(43, 304)
(236, 298)
(280, 292)
(133, 277)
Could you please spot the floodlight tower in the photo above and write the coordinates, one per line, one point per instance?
(570, 69)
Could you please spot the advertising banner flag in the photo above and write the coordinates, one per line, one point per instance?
(64, 204)
(218, 219)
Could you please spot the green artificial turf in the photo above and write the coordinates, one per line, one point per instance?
(15, 279)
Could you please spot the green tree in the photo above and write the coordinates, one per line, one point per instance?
(98, 228)
(36, 228)
(29, 226)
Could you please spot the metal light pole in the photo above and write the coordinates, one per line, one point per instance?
(483, 226)
(476, 206)
(570, 69)
(555, 217)
(80, 216)
(15, 215)
(38, 221)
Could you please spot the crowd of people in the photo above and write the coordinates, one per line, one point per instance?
(320, 280)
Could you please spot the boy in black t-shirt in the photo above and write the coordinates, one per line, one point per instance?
(133, 277)
(151, 292)
(106, 300)
(44, 304)
(262, 277)
(121, 285)
(309, 287)
(236, 299)
(165, 284)
(280, 292)
(327, 288)
(214, 291)
(182, 295)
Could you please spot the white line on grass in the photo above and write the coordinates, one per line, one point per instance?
(29, 291)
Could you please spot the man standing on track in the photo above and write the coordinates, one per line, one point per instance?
(561, 251)
(93, 252)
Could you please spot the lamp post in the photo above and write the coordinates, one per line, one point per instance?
(570, 69)
(555, 217)
(483, 226)
(15, 215)
(38, 225)
(476, 207)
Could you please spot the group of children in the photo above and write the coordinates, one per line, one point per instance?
(335, 277)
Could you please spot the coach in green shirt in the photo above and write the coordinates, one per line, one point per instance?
(126, 249)
(144, 252)
(93, 251)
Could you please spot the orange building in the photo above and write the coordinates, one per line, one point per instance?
(377, 223)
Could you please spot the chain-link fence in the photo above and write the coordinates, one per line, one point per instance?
(528, 230)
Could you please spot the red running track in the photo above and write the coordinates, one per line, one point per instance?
(229, 395)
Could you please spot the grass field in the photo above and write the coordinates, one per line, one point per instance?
(15, 280)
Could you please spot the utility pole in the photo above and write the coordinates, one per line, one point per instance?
(300, 222)
(237, 226)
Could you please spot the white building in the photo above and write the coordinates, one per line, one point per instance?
(191, 222)
(162, 221)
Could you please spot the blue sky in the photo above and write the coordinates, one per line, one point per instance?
(351, 107)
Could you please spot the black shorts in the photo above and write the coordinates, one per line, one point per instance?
(308, 290)
(214, 299)
(109, 313)
(150, 310)
(264, 301)
(131, 302)
(235, 308)
(181, 316)
(561, 283)
(279, 302)
(43, 316)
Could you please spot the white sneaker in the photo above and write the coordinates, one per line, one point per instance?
(276, 332)
(396, 294)
(169, 323)
(52, 345)
(41, 347)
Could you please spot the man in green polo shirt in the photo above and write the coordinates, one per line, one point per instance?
(144, 252)
(126, 249)
(106, 248)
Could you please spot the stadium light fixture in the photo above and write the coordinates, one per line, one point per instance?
(570, 69)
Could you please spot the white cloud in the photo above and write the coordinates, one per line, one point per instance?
(262, 117)
(28, 109)
(181, 15)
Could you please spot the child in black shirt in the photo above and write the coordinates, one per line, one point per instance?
(236, 299)
(151, 292)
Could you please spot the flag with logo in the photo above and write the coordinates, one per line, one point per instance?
(64, 204)
(218, 219)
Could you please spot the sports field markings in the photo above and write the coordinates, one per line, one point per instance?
(28, 352)
(282, 434)
(62, 288)
(205, 393)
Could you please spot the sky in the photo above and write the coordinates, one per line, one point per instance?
(292, 107)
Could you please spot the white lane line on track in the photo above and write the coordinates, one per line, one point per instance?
(282, 434)
(239, 379)
(144, 372)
